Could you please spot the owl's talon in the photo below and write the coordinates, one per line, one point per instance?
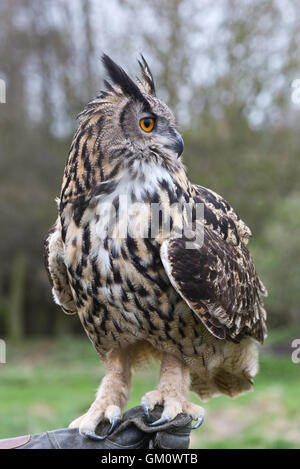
(146, 413)
(93, 436)
(160, 421)
(113, 426)
(145, 407)
(197, 424)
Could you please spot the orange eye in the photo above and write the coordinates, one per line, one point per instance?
(147, 124)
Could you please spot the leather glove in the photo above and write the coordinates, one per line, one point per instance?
(132, 432)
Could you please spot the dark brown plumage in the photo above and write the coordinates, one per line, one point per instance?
(219, 283)
(139, 292)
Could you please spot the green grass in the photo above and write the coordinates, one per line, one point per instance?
(45, 384)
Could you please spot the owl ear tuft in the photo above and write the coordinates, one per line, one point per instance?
(147, 82)
(120, 78)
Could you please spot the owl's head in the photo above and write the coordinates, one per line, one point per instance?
(132, 122)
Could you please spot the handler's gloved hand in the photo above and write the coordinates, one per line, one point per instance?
(131, 433)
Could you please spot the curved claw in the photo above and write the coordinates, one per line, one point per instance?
(113, 425)
(160, 421)
(145, 409)
(197, 424)
(93, 436)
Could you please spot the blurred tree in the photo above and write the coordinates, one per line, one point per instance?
(15, 300)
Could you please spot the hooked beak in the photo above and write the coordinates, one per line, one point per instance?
(178, 144)
(174, 142)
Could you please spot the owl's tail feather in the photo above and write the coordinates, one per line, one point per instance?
(232, 376)
(222, 383)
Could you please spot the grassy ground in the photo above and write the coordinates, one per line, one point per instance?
(45, 384)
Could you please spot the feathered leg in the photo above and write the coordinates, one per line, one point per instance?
(172, 392)
(111, 398)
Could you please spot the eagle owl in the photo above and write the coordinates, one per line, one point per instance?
(139, 293)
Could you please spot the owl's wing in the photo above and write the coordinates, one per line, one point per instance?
(219, 283)
(220, 213)
(57, 271)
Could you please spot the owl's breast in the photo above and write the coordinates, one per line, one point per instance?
(117, 278)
